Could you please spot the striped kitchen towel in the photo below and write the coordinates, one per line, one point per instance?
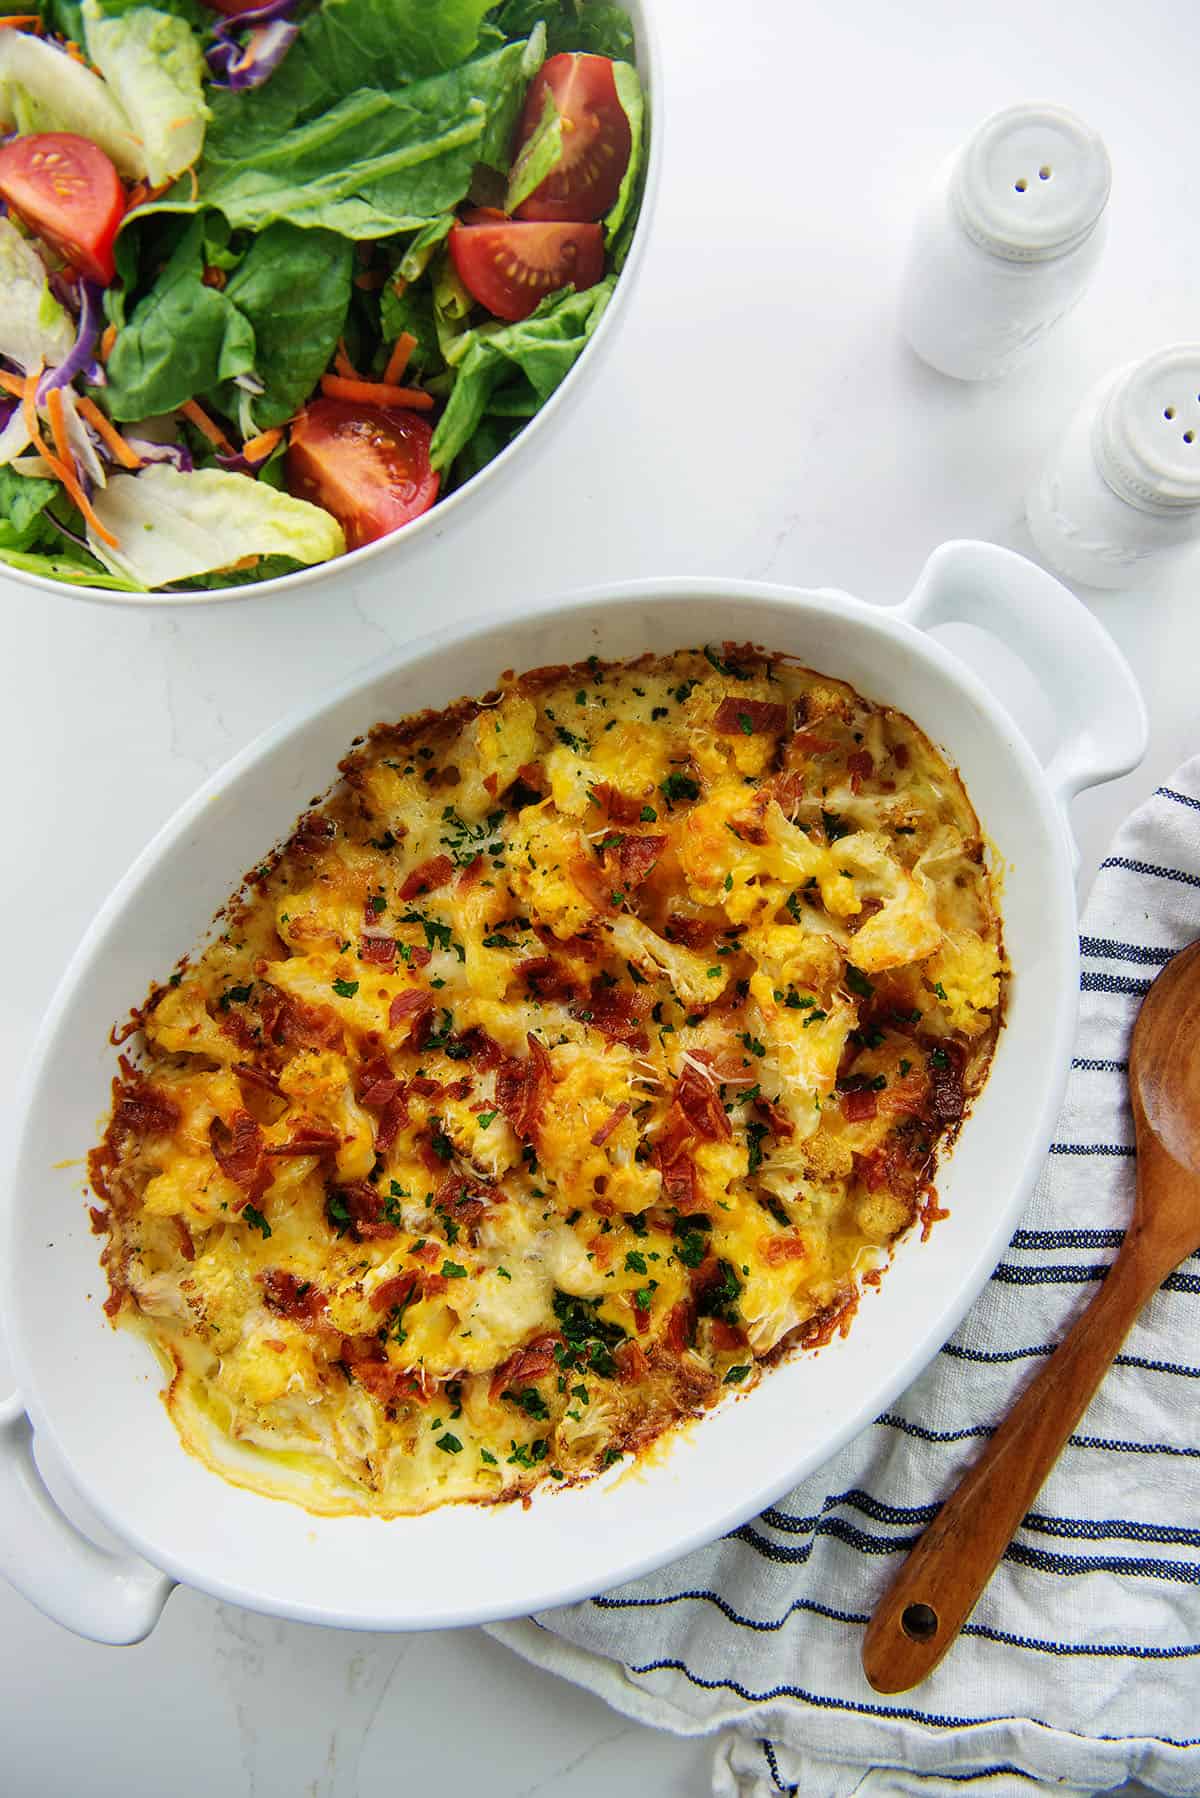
(1080, 1667)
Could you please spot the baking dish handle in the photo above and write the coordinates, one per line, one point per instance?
(1102, 725)
(107, 1597)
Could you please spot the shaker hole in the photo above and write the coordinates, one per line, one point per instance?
(919, 1622)
(1045, 172)
(1189, 436)
(1021, 185)
(1169, 412)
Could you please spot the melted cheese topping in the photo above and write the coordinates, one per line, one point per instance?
(580, 1053)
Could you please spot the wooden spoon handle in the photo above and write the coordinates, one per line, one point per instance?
(940, 1582)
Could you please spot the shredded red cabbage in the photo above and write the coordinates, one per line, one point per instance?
(237, 67)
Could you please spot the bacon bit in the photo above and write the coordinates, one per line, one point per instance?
(601, 1206)
(900, 754)
(380, 951)
(868, 909)
(306, 1139)
(947, 1099)
(635, 860)
(426, 1251)
(141, 1109)
(113, 1303)
(469, 875)
(491, 784)
(427, 877)
(484, 1050)
(532, 775)
(749, 830)
(378, 1086)
(127, 457)
(931, 1213)
(681, 1325)
(616, 1012)
(859, 766)
(424, 1087)
(431, 1161)
(786, 789)
(591, 881)
(396, 1291)
(419, 956)
(411, 1003)
(298, 1025)
(197, 416)
(780, 1124)
(700, 1103)
(810, 743)
(240, 1154)
(235, 1027)
(214, 277)
(750, 717)
(256, 1077)
(693, 933)
(99, 1220)
(187, 1247)
(581, 946)
(777, 1249)
(522, 1087)
(376, 393)
(606, 1129)
(859, 1104)
(287, 1296)
(466, 1203)
(365, 1206)
(257, 449)
(641, 1318)
(906, 1097)
(621, 808)
(547, 977)
(388, 1385)
(392, 1120)
(312, 834)
(726, 1337)
(403, 348)
(679, 1184)
(631, 1361)
(526, 1364)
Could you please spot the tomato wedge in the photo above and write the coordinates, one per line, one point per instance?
(368, 465)
(596, 140)
(509, 268)
(69, 194)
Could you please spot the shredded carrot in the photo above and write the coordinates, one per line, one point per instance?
(376, 393)
(75, 53)
(141, 194)
(214, 277)
(18, 21)
(126, 456)
(107, 342)
(29, 414)
(257, 449)
(405, 344)
(70, 480)
(399, 287)
(14, 384)
(343, 364)
(204, 424)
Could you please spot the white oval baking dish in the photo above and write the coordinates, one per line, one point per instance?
(518, 458)
(91, 1393)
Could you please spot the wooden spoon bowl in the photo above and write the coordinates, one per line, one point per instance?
(939, 1584)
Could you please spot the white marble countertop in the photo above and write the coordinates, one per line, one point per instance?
(757, 418)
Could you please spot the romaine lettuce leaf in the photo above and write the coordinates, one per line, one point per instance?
(22, 501)
(417, 257)
(374, 164)
(542, 348)
(624, 210)
(182, 339)
(293, 287)
(42, 89)
(591, 25)
(33, 326)
(172, 526)
(537, 155)
(67, 564)
(385, 43)
(411, 311)
(153, 64)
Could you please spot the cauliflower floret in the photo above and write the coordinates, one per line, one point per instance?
(968, 971)
(696, 979)
(542, 852)
(491, 750)
(906, 927)
(180, 1025)
(589, 1087)
(274, 1359)
(319, 1083)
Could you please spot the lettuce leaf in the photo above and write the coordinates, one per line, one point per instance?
(41, 89)
(411, 311)
(385, 43)
(33, 326)
(67, 564)
(622, 216)
(541, 349)
(22, 501)
(293, 288)
(172, 526)
(373, 164)
(591, 25)
(153, 64)
(537, 155)
(182, 339)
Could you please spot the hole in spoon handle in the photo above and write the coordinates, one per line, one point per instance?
(920, 1622)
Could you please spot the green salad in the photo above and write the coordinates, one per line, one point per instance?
(275, 278)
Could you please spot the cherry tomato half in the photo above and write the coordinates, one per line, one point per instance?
(596, 138)
(69, 194)
(509, 268)
(368, 465)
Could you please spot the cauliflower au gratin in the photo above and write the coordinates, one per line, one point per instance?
(578, 1057)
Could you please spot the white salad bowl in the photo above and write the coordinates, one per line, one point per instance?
(91, 1394)
(649, 66)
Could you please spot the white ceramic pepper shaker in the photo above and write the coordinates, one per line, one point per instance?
(1121, 492)
(1006, 242)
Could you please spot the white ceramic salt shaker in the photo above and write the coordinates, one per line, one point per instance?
(1120, 496)
(1006, 242)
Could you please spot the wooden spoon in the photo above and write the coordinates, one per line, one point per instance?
(940, 1582)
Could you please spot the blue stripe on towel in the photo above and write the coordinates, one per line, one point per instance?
(1179, 798)
(1135, 867)
(1106, 948)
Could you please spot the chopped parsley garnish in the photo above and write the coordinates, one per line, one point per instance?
(938, 1058)
(904, 1068)
(236, 995)
(529, 1454)
(735, 1375)
(338, 1212)
(679, 786)
(497, 941)
(504, 1273)
(754, 1141)
(648, 814)
(939, 989)
(569, 738)
(635, 1262)
(453, 1270)
(530, 1401)
(256, 1220)
(486, 1455)
(345, 989)
(752, 1043)
(460, 836)
(378, 903)
(858, 983)
(385, 842)
(487, 1118)
(745, 724)
(449, 1445)
(588, 1339)
(720, 1297)
(835, 826)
